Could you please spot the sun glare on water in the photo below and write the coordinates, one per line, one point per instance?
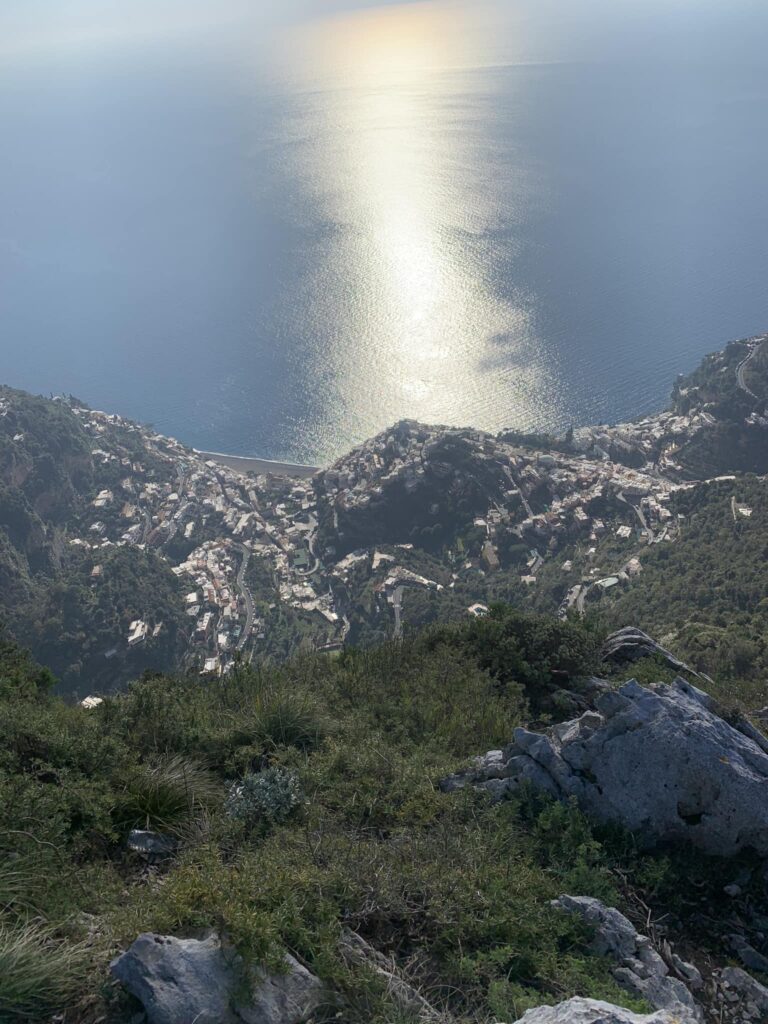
(388, 44)
(381, 143)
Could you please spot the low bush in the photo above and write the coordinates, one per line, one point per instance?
(289, 719)
(269, 798)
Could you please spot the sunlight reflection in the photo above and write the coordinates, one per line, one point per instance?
(393, 172)
(395, 43)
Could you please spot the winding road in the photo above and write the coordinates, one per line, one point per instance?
(147, 525)
(577, 595)
(648, 532)
(250, 610)
(397, 605)
(740, 380)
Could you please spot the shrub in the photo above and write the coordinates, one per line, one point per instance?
(427, 692)
(270, 796)
(452, 887)
(516, 647)
(17, 884)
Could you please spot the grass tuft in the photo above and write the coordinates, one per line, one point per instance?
(38, 976)
(289, 720)
(168, 795)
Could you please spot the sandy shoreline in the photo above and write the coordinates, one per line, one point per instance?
(246, 464)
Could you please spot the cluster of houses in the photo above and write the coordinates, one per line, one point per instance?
(164, 497)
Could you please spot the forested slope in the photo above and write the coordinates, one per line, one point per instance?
(49, 478)
(707, 593)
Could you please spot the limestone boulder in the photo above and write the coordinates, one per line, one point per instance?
(640, 969)
(631, 644)
(287, 998)
(594, 1011)
(201, 980)
(659, 760)
(178, 979)
(744, 998)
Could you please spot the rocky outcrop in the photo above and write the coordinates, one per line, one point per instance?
(640, 969)
(287, 998)
(179, 980)
(747, 953)
(593, 1011)
(740, 999)
(658, 760)
(630, 644)
(412, 482)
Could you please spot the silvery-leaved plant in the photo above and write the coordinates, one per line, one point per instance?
(272, 796)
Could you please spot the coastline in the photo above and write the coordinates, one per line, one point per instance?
(251, 464)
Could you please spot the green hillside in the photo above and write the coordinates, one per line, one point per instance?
(49, 477)
(707, 594)
(354, 830)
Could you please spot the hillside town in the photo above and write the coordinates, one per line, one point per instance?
(208, 522)
(315, 554)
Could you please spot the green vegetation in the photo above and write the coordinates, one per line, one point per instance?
(44, 454)
(165, 794)
(303, 797)
(37, 974)
(715, 382)
(756, 372)
(300, 794)
(77, 625)
(730, 444)
(427, 515)
(706, 595)
(48, 598)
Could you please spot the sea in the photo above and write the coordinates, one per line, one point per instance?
(275, 229)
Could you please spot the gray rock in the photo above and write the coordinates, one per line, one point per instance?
(594, 685)
(658, 760)
(151, 845)
(690, 973)
(747, 988)
(615, 935)
(184, 980)
(178, 980)
(748, 955)
(630, 644)
(283, 998)
(594, 1011)
(640, 970)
